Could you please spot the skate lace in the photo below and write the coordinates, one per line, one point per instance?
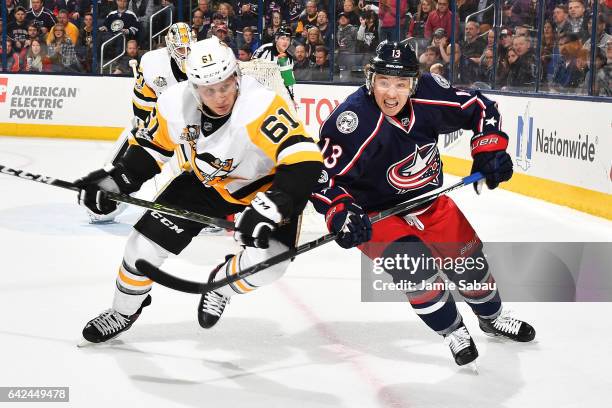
(110, 321)
(214, 303)
(506, 323)
(458, 340)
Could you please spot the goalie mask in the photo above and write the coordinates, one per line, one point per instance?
(179, 40)
(393, 59)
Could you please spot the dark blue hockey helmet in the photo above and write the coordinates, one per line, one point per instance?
(393, 58)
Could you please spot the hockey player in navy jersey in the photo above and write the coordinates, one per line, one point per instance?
(380, 149)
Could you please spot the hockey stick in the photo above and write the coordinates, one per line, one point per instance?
(187, 286)
(123, 198)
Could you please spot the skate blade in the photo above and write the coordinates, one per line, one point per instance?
(84, 343)
(474, 366)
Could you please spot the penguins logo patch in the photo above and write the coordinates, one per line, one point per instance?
(190, 133)
(347, 122)
(443, 82)
(160, 82)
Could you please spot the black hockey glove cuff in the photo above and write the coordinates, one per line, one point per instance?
(113, 179)
(267, 211)
(350, 222)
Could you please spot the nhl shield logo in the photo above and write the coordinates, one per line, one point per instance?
(419, 169)
(190, 133)
(347, 122)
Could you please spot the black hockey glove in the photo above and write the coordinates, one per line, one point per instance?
(255, 224)
(349, 221)
(114, 179)
(491, 159)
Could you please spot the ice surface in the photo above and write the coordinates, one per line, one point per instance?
(306, 340)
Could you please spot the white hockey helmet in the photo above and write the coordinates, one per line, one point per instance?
(179, 40)
(210, 61)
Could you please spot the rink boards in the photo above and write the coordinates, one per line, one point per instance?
(562, 149)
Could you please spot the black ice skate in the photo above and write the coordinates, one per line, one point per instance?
(109, 324)
(507, 326)
(212, 303)
(462, 345)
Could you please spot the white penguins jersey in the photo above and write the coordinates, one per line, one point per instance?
(237, 156)
(155, 74)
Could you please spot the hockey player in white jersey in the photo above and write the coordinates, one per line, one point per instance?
(248, 155)
(157, 71)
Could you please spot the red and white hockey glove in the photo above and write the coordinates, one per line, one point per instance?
(350, 222)
(491, 159)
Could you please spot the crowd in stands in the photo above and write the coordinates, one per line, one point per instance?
(56, 36)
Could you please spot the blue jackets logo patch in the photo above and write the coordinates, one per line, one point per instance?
(419, 169)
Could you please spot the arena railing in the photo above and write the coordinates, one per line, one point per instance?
(399, 32)
(108, 43)
(164, 12)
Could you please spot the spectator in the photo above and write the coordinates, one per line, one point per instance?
(602, 85)
(549, 53)
(18, 29)
(294, 10)
(320, 70)
(508, 17)
(245, 53)
(522, 31)
(446, 58)
(62, 52)
(348, 7)
(324, 27)
(121, 20)
(227, 12)
(301, 65)
(104, 9)
(270, 32)
(204, 7)
(246, 19)
(33, 34)
(526, 12)
(560, 19)
(473, 45)
(72, 31)
(131, 53)
(36, 58)
(428, 58)
(484, 19)
(367, 34)
(505, 42)
(485, 67)
(602, 37)
(197, 25)
(577, 19)
(346, 35)
(439, 40)
(77, 10)
(417, 24)
(521, 72)
(84, 47)
(11, 7)
(387, 18)
(40, 16)
(142, 9)
(13, 64)
(222, 33)
(437, 69)
(313, 40)
(309, 18)
(567, 73)
(249, 39)
(441, 17)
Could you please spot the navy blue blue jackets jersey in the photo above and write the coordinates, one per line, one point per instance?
(379, 160)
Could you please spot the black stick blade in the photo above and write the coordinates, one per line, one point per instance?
(165, 279)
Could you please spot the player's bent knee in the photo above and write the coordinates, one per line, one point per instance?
(251, 256)
(140, 247)
(412, 261)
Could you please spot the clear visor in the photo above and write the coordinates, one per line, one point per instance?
(219, 89)
(401, 85)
